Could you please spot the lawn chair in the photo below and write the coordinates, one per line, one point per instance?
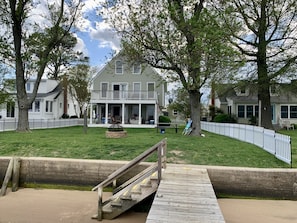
(188, 129)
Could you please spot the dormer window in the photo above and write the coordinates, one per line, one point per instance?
(119, 67)
(273, 89)
(242, 91)
(28, 86)
(136, 68)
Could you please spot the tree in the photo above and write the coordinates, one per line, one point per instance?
(267, 40)
(181, 102)
(78, 79)
(34, 44)
(183, 38)
(6, 85)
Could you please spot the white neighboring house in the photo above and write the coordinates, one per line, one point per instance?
(49, 103)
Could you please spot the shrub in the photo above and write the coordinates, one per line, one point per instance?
(224, 118)
(164, 119)
(253, 120)
(65, 116)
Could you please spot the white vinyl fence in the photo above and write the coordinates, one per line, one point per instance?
(11, 124)
(272, 142)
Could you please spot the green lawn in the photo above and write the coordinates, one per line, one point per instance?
(73, 143)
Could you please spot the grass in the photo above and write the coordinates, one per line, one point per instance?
(73, 143)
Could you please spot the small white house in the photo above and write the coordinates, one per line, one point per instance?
(49, 103)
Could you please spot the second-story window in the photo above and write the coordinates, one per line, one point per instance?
(136, 68)
(104, 90)
(119, 67)
(150, 90)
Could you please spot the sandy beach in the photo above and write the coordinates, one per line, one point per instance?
(68, 206)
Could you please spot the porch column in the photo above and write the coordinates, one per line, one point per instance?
(139, 112)
(106, 113)
(123, 113)
(91, 114)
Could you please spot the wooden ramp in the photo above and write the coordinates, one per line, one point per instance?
(185, 194)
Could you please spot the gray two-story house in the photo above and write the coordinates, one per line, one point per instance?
(127, 92)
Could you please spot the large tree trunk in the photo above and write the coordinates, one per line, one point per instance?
(263, 79)
(195, 112)
(23, 117)
(264, 96)
(23, 120)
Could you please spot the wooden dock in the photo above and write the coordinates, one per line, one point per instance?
(185, 194)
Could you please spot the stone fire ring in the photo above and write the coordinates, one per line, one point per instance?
(115, 134)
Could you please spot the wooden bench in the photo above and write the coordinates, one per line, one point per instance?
(163, 126)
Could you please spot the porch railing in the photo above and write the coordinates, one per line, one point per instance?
(123, 95)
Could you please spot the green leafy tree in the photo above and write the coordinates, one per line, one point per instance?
(6, 85)
(181, 102)
(267, 39)
(183, 38)
(31, 46)
(78, 79)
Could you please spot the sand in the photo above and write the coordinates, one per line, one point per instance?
(258, 211)
(51, 206)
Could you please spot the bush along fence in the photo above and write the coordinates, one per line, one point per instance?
(11, 124)
(277, 144)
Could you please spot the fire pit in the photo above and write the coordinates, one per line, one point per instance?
(115, 131)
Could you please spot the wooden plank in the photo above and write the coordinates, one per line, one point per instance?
(185, 194)
(16, 174)
(7, 177)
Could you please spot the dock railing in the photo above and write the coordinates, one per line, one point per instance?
(159, 148)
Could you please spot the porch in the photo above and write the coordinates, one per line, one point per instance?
(124, 125)
(145, 113)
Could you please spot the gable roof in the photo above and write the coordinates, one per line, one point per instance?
(286, 93)
(121, 56)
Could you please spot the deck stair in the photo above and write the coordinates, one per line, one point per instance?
(136, 189)
(129, 196)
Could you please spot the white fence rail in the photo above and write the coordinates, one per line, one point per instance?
(277, 144)
(11, 124)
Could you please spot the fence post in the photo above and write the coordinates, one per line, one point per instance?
(99, 217)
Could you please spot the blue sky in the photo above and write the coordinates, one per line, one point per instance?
(95, 37)
(94, 49)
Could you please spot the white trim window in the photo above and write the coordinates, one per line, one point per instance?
(28, 86)
(136, 89)
(35, 106)
(118, 67)
(136, 68)
(289, 111)
(48, 106)
(104, 88)
(150, 89)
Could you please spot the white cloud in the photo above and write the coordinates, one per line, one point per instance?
(90, 5)
(105, 35)
(81, 47)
